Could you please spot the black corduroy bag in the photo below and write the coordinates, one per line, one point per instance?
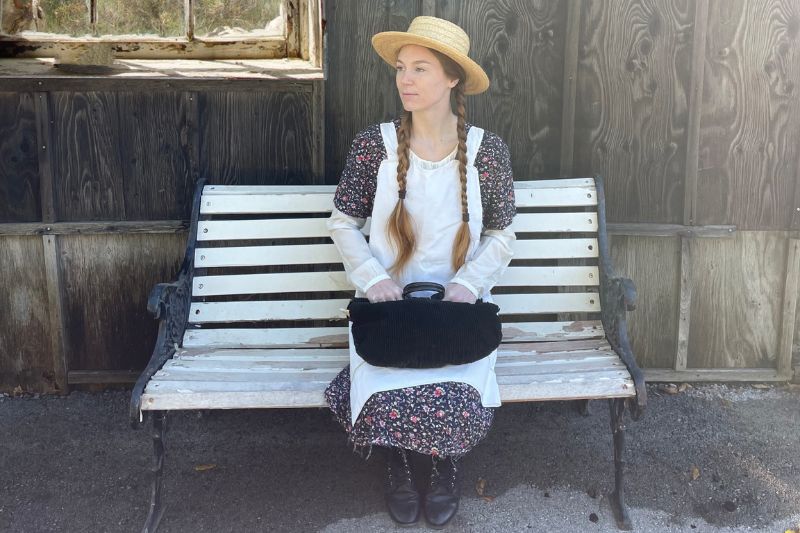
(418, 332)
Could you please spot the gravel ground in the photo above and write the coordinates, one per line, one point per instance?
(711, 458)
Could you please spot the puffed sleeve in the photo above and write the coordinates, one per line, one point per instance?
(493, 162)
(355, 193)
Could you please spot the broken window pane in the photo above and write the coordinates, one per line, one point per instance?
(238, 18)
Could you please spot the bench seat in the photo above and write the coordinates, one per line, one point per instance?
(229, 378)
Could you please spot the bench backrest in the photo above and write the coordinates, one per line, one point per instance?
(267, 274)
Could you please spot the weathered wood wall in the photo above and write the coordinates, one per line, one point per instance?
(689, 108)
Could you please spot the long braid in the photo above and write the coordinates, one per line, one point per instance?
(461, 243)
(400, 230)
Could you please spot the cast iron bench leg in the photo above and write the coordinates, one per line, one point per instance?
(156, 507)
(618, 506)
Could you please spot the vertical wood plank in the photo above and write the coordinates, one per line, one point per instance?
(26, 353)
(631, 114)
(44, 150)
(19, 159)
(107, 279)
(653, 265)
(55, 306)
(684, 304)
(736, 316)
(695, 100)
(573, 31)
(789, 307)
(318, 133)
(428, 8)
(521, 46)
(156, 154)
(749, 155)
(360, 88)
(86, 156)
(261, 138)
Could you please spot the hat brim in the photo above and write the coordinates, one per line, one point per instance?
(388, 43)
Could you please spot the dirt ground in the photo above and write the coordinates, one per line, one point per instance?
(711, 458)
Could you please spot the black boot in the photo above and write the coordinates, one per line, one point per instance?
(402, 498)
(441, 501)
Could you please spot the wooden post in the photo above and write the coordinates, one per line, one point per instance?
(789, 308)
(690, 183)
(52, 263)
(684, 304)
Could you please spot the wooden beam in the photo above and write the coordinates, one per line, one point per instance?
(428, 8)
(55, 306)
(789, 307)
(569, 87)
(669, 230)
(684, 305)
(114, 226)
(713, 374)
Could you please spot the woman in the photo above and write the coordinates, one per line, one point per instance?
(441, 196)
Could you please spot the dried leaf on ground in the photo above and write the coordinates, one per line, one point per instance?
(683, 386)
(480, 486)
(695, 472)
(762, 386)
(203, 468)
(669, 388)
(17, 391)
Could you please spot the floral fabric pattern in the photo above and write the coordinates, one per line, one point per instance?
(439, 419)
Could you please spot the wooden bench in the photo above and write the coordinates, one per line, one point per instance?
(255, 319)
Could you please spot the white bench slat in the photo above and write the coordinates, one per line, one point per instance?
(292, 282)
(165, 395)
(295, 228)
(204, 312)
(233, 370)
(260, 337)
(510, 304)
(309, 254)
(298, 202)
(513, 350)
(244, 203)
(215, 190)
(295, 254)
(337, 336)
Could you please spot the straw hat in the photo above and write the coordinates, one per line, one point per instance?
(441, 35)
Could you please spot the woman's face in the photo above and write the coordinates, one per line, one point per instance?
(421, 80)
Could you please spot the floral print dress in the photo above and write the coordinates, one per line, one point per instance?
(440, 419)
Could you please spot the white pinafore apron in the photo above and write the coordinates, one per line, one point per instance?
(433, 201)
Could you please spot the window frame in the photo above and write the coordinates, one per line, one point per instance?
(301, 39)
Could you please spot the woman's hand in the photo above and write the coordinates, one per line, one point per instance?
(384, 291)
(455, 292)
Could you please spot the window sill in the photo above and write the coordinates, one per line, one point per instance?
(43, 74)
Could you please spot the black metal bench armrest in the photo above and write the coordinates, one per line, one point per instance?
(618, 296)
(169, 303)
